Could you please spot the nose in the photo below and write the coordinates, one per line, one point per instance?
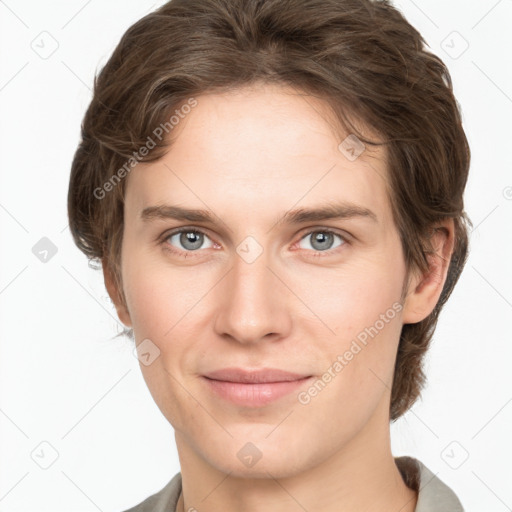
(253, 303)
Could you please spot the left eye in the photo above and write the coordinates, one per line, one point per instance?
(190, 240)
(321, 240)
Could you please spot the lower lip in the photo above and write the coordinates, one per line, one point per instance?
(254, 395)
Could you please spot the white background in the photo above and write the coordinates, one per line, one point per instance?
(65, 382)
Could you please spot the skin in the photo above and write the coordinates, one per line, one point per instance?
(249, 156)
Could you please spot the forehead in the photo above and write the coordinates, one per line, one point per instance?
(259, 149)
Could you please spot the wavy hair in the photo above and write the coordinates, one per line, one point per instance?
(361, 56)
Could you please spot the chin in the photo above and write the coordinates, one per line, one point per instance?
(255, 459)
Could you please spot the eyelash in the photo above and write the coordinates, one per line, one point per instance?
(315, 254)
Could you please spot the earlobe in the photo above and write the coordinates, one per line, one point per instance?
(425, 289)
(115, 296)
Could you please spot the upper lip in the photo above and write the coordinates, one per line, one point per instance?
(256, 376)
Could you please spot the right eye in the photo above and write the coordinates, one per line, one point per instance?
(186, 240)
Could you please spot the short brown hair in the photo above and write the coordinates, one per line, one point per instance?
(361, 56)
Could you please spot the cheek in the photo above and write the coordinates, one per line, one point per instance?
(352, 297)
(165, 308)
(359, 359)
(158, 296)
(171, 307)
(360, 304)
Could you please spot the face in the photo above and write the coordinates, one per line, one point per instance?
(261, 281)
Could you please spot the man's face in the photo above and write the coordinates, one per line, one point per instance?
(252, 289)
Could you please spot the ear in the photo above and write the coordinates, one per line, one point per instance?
(114, 293)
(425, 289)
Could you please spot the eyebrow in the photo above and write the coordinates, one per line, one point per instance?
(297, 216)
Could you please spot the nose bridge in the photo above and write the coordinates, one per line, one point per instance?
(251, 307)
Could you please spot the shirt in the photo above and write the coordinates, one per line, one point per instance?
(433, 494)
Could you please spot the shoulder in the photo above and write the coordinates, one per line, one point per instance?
(164, 500)
(433, 494)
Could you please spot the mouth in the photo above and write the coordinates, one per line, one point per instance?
(253, 388)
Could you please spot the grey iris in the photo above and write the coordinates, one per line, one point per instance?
(324, 240)
(193, 238)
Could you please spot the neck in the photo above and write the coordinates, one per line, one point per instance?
(360, 475)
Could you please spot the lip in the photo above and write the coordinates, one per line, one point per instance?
(253, 388)
(257, 376)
